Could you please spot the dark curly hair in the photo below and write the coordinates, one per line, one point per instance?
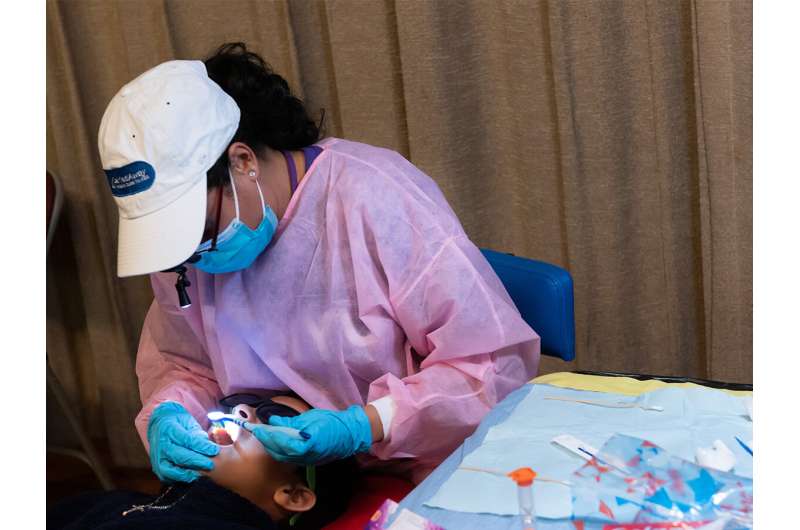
(271, 116)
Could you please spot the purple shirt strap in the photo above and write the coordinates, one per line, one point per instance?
(309, 154)
(292, 170)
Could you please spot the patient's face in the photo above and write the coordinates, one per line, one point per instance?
(244, 466)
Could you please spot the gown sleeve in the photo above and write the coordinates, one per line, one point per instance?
(172, 363)
(466, 345)
(466, 348)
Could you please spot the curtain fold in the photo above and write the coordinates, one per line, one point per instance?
(108, 329)
(723, 36)
(612, 138)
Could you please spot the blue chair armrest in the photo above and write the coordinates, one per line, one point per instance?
(543, 295)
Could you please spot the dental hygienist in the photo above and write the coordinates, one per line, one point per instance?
(330, 268)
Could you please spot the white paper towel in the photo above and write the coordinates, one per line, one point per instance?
(718, 456)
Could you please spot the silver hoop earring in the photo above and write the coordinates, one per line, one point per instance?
(252, 173)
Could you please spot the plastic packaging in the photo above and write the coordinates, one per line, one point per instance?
(659, 487)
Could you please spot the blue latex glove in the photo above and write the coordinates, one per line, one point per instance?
(178, 445)
(333, 435)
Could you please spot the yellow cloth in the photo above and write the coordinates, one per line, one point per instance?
(614, 385)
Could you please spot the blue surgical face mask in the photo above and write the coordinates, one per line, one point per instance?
(238, 245)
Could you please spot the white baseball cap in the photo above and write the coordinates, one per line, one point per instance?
(159, 136)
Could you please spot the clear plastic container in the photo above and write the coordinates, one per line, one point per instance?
(526, 511)
(524, 477)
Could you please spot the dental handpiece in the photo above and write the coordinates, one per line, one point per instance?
(222, 417)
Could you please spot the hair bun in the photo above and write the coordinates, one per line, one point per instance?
(270, 114)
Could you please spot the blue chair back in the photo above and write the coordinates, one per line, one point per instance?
(543, 294)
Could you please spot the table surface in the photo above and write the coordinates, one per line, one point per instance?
(461, 520)
(451, 520)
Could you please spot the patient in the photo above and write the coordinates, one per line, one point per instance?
(247, 488)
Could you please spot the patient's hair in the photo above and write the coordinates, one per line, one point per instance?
(270, 114)
(334, 482)
(334, 488)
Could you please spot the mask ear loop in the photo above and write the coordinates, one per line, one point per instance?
(235, 197)
(263, 202)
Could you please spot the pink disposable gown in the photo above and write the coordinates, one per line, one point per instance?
(370, 287)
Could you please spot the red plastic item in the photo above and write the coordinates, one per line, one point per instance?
(371, 491)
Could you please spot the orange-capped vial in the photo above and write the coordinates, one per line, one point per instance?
(524, 478)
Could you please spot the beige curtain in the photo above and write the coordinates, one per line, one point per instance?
(612, 138)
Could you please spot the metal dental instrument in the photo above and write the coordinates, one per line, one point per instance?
(219, 417)
(609, 404)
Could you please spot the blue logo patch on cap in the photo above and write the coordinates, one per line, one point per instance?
(130, 179)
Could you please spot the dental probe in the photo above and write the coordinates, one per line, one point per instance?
(222, 417)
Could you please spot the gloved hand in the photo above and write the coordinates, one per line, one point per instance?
(333, 435)
(178, 445)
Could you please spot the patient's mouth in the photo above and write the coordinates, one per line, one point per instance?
(220, 436)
